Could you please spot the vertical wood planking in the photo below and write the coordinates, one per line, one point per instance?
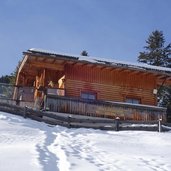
(110, 110)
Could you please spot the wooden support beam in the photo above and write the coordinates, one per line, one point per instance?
(93, 66)
(112, 69)
(161, 77)
(23, 63)
(20, 68)
(103, 68)
(46, 65)
(53, 61)
(72, 63)
(44, 60)
(118, 69)
(134, 72)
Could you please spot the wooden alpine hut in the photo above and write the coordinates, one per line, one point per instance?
(90, 86)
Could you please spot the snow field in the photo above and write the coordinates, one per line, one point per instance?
(33, 146)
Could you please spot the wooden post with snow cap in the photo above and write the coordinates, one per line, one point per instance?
(117, 123)
(160, 125)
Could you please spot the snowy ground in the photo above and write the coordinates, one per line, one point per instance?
(27, 145)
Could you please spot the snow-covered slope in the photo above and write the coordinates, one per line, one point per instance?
(32, 146)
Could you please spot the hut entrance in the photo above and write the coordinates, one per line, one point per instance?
(48, 82)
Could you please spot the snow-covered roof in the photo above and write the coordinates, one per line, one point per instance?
(106, 61)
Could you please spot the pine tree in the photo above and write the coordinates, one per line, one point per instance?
(5, 79)
(156, 53)
(84, 53)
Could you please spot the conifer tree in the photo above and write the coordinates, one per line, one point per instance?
(84, 53)
(156, 53)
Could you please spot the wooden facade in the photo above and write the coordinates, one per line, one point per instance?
(111, 84)
(77, 77)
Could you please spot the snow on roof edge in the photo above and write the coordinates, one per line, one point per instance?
(109, 61)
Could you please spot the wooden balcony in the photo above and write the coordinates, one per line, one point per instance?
(106, 109)
(57, 101)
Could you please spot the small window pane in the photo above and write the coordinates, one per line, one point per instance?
(91, 96)
(84, 95)
(129, 100)
(133, 101)
(88, 95)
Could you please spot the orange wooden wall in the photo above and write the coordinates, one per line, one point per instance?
(110, 85)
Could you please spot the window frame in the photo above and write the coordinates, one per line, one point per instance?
(88, 94)
(132, 100)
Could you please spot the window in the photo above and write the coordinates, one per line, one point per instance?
(88, 95)
(132, 100)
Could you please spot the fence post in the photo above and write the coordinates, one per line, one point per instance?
(25, 112)
(160, 125)
(117, 123)
(69, 121)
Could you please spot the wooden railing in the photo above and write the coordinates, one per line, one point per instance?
(6, 91)
(105, 109)
(56, 91)
(77, 121)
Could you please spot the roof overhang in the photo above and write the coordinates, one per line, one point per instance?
(34, 59)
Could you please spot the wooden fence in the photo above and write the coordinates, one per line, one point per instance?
(112, 110)
(77, 121)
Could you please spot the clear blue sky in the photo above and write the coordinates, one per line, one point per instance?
(105, 28)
